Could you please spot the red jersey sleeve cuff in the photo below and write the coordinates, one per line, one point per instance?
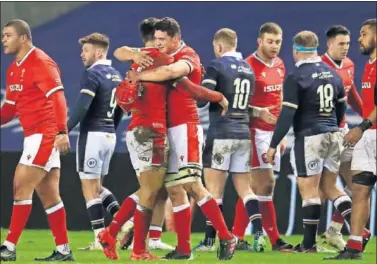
(10, 102)
(189, 64)
(53, 90)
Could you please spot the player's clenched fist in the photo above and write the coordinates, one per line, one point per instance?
(62, 143)
(271, 155)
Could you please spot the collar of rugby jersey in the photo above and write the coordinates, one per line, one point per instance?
(235, 54)
(182, 45)
(311, 60)
(18, 63)
(101, 62)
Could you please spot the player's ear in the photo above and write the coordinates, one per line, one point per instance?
(23, 38)
(97, 53)
(259, 41)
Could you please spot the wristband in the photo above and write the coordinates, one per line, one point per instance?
(366, 124)
(62, 133)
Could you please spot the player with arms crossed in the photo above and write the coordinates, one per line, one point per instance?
(228, 144)
(34, 91)
(364, 155)
(338, 43)
(269, 74)
(99, 116)
(314, 101)
(186, 141)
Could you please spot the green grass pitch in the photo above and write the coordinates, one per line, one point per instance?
(39, 243)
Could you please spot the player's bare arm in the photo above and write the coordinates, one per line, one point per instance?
(140, 57)
(264, 113)
(169, 72)
(354, 100)
(7, 113)
(201, 93)
(355, 134)
(60, 109)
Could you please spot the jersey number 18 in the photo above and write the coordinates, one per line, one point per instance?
(241, 97)
(326, 98)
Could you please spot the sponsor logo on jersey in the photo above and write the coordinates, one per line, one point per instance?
(16, 87)
(273, 88)
(366, 85)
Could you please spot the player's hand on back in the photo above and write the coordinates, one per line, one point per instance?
(271, 156)
(62, 143)
(225, 105)
(143, 59)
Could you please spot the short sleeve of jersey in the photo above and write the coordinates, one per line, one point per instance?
(211, 76)
(88, 84)
(291, 89)
(191, 58)
(47, 77)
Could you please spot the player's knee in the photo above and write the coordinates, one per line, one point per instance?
(176, 194)
(22, 191)
(148, 195)
(162, 195)
(91, 189)
(195, 189)
(266, 187)
(48, 197)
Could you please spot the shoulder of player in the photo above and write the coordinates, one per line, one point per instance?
(91, 74)
(279, 63)
(250, 59)
(187, 51)
(347, 62)
(216, 63)
(40, 58)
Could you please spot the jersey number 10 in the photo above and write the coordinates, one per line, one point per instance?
(113, 104)
(326, 98)
(241, 97)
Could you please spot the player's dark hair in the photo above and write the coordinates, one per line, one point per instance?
(307, 39)
(168, 25)
(96, 39)
(370, 22)
(147, 29)
(270, 28)
(21, 27)
(337, 30)
(226, 35)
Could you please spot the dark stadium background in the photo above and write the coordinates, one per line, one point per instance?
(58, 34)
